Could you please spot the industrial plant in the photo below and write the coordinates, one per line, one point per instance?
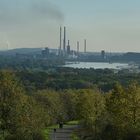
(64, 52)
(64, 49)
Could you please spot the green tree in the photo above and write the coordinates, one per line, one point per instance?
(10, 102)
(69, 99)
(133, 109)
(51, 102)
(123, 106)
(19, 115)
(91, 107)
(116, 105)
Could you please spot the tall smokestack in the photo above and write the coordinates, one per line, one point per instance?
(78, 46)
(85, 46)
(60, 47)
(64, 41)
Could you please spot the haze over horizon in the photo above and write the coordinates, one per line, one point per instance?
(106, 24)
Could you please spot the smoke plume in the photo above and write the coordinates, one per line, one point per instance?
(26, 11)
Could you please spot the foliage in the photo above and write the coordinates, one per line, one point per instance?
(74, 137)
(123, 109)
(25, 113)
(19, 115)
(91, 108)
(51, 102)
(69, 78)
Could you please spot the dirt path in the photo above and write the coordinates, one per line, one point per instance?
(64, 133)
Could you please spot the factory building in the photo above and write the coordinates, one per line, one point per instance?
(68, 48)
(46, 52)
(103, 54)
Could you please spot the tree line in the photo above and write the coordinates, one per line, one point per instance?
(69, 78)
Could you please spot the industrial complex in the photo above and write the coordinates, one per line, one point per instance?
(64, 49)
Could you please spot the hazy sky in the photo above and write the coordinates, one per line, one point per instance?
(112, 25)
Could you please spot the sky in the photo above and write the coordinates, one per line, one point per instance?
(110, 25)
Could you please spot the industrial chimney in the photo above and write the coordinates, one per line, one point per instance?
(68, 47)
(78, 47)
(85, 46)
(60, 47)
(64, 41)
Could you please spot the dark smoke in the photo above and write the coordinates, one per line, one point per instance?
(28, 11)
(45, 8)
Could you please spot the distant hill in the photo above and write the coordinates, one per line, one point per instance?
(23, 51)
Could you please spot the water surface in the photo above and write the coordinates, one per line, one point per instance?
(96, 65)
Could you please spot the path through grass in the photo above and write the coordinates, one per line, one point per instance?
(49, 130)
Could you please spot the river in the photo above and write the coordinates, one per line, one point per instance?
(96, 65)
